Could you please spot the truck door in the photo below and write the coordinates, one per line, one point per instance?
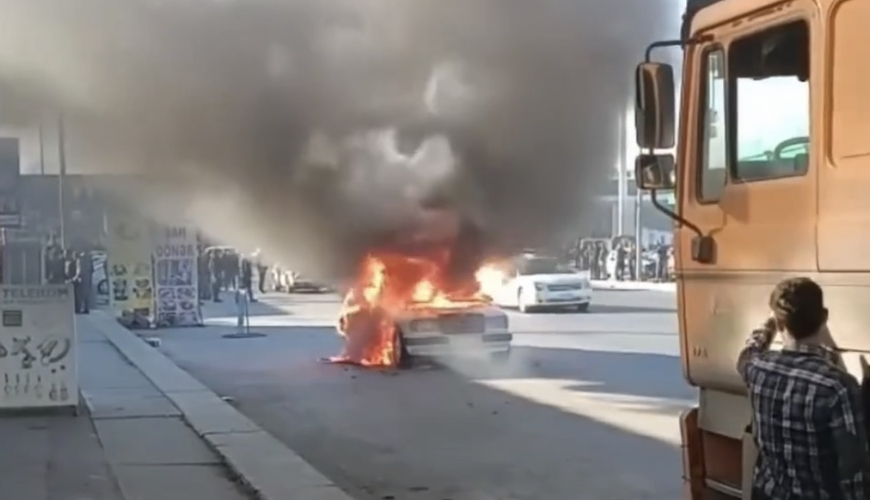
(749, 143)
(844, 177)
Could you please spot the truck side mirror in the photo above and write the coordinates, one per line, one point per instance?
(654, 172)
(654, 115)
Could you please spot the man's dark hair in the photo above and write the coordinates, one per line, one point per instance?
(797, 303)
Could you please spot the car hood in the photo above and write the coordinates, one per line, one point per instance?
(557, 279)
(411, 314)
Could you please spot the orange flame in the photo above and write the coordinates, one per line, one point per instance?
(389, 285)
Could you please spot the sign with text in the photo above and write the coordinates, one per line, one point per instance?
(175, 269)
(38, 350)
(131, 283)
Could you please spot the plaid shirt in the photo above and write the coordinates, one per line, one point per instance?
(808, 422)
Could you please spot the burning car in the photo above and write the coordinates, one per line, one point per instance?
(398, 310)
(419, 298)
(449, 332)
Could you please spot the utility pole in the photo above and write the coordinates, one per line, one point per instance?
(638, 234)
(61, 179)
(41, 150)
(638, 201)
(620, 176)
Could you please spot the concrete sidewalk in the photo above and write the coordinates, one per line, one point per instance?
(56, 457)
(264, 464)
(128, 443)
(634, 285)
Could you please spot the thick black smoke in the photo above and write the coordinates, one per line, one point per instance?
(276, 119)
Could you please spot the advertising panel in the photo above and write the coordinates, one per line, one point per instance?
(38, 350)
(100, 279)
(131, 283)
(175, 264)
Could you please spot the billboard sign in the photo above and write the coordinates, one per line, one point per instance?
(38, 349)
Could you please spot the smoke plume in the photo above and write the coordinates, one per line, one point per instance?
(307, 126)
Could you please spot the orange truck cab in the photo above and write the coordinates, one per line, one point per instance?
(772, 179)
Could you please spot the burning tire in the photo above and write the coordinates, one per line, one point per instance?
(403, 357)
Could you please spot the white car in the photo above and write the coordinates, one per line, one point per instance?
(451, 332)
(534, 282)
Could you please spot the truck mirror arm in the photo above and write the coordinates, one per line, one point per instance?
(703, 246)
(674, 43)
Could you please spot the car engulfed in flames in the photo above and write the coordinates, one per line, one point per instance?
(402, 305)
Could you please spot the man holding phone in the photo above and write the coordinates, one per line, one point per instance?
(808, 417)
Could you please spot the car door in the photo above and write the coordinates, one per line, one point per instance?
(507, 293)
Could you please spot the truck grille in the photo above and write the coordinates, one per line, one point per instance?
(462, 323)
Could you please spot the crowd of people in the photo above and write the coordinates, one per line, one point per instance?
(220, 269)
(224, 268)
(616, 259)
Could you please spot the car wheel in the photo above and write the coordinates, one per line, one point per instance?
(582, 307)
(521, 303)
(500, 356)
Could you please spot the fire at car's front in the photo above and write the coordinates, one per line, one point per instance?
(405, 305)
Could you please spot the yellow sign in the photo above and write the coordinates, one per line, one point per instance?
(131, 280)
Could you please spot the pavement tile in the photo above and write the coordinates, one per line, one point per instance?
(169, 441)
(177, 482)
(56, 457)
(127, 403)
(102, 367)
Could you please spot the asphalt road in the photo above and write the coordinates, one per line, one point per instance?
(586, 408)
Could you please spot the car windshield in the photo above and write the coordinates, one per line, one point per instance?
(542, 266)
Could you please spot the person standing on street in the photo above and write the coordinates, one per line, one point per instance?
(203, 275)
(262, 269)
(246, 278)
(807, 412)
(72, 275)
(215, 274)
(662, 261)
(233, 267)
(55, 266)
(86, 278)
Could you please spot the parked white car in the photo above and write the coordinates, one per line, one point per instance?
(534, 282)
(291, 281)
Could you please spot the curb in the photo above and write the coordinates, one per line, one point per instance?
(265, 465)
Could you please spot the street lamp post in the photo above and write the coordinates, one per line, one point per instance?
(620, 175)
(638, 235)
(61, 179)
(41, 150)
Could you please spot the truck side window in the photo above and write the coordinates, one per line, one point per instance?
(713, 150)
(770, 101)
